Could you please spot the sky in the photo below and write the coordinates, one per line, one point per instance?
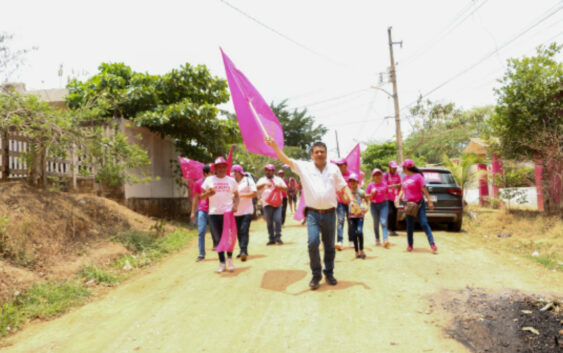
(325, 56)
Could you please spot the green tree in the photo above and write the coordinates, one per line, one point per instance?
(528, 119)
(461, 169)
(181, 104)
(10, 59)
(378, 156)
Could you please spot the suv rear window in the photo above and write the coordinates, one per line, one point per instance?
(435, 177)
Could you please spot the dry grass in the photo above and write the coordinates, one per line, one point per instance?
(531, 231)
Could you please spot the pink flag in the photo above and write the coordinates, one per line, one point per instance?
(353, 160)
(230, 161)
(300, 212)
(229, 235)
(191, 169)
(255, 118)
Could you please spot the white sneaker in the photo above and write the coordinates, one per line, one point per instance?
(338, 246)
(230, 265)
(221, 268)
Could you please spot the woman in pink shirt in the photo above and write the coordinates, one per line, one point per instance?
(377, 194)
(414, 190)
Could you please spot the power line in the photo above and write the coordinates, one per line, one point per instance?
(302, 46)
(488, 55)
(333, 98)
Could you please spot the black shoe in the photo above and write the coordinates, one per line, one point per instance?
(239, 255)
(279, 242)
(243, 257)
(314, 284)
(271, 242)
(199, 258)
(393, 233)
(331, 280)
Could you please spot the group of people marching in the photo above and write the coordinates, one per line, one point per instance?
(333, 196)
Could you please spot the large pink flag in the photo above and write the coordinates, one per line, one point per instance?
(191, 169)
(300, 212)
(255, 118)
(353, 160)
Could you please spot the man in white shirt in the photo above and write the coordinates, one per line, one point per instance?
(246, 192)
(272, 212)
(321, 181)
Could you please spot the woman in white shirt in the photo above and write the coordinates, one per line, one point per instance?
(246, 192)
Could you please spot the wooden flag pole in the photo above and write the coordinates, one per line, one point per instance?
(258, 119)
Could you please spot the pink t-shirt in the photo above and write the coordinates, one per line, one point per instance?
(203, 205)
(392, 179)
(380, 191)
(222, 201)
(412, 187)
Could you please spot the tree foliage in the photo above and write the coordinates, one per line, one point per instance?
(378, 156)
(181, 104)
(10, 59)
(461, 169)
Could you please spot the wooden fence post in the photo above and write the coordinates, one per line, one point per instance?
(5, 155)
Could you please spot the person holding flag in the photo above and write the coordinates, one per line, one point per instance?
(271, 188)
(321, 181)
(201, 207)
(222, 191)
(243, 216)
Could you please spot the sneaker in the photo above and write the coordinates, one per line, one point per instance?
(271, 242)
(239, 255)
(338, 246)
(230, 265)
(358, 256)
(409, 248)
(200, 258)
(314, 284)
(363, 256)
(377, 242)
(243, 257)
(434, 248)
(386, 245)
(279, 242)
(221, 267)
(331, 280)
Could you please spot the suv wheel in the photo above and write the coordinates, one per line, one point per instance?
(455, 226)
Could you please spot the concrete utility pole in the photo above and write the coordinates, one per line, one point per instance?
(337, 145)
(393, 78)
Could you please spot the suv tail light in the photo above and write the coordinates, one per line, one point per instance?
(455, 191)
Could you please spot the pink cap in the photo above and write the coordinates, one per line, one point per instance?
(237, 168)
(220, 160)
(269, 167)
(281, 171)
(285, 166)
(341, 161)
(393, 164)
(376, 170)
(408, 163)
(353, 176)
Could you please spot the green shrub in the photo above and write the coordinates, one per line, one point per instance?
(92, 272)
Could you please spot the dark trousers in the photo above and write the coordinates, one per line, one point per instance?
(243, 227)
(356, 232)
(216, 226)
(322, 224)
(284, 209)
(392, 216)
(273, 221)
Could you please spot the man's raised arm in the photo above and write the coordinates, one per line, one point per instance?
(285, 159)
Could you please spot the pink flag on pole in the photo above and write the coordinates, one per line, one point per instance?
(255, 118)
(229, 235)
(300, 212)
(230, 161)
(354, 159)
(191, 169)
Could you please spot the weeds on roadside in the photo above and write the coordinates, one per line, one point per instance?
(92, 272)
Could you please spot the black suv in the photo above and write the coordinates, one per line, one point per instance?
(446, 196)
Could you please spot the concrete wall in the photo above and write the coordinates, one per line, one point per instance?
(472, 197)
(162, 197)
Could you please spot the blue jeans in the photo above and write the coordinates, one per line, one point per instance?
(342, 212)
(423, 223)
(243, 226)
(379, 212)
(323, 223)
(355, 229)
(273, 217)
(201, 227)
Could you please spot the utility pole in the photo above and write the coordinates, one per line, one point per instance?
(393, 78)
(337, 145)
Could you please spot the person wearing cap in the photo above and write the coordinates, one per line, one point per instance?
(393, 179)
(414, 190)
(201, 207)
(273, 213)
(342, 207)
(292, 189)
(222, 191)
(243, 216)
(321, 181)
(281, 174)
(377, 192)
(356, 215)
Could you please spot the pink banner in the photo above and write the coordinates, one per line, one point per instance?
(253, 113)
(191, 169)
(300, 212)
(229, 235)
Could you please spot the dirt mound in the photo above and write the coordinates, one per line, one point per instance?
(509, 321)
(48, 235)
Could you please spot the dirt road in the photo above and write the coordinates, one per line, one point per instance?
(381, 304)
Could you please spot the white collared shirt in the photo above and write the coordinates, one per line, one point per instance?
(319, 188)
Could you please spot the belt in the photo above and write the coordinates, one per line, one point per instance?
(328, 210)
